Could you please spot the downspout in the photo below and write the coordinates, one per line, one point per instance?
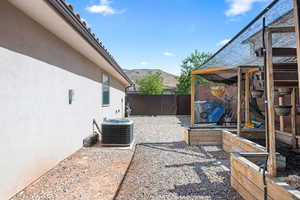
(126, 99)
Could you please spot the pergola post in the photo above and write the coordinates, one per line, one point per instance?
(272, 167)
(297, 30)
(281, 118)
(193, 88)
(293, 118)
(239, 100)
(247, 98)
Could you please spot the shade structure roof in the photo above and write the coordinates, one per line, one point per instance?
(241, 50)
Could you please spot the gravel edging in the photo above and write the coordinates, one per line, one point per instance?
(125, 174)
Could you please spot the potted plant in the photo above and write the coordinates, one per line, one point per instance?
(283, 110)
(217, 91)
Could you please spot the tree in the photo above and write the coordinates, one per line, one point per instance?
(193, 62)
(151, 84)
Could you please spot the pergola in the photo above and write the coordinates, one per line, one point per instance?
(240, 72)
(279, 72)
(277, 75)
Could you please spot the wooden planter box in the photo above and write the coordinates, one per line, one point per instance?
(234, 143)
(203, 136)
(247, 179)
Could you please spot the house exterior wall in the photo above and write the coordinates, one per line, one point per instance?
(38, 126)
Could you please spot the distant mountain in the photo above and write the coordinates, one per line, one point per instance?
(170, 80)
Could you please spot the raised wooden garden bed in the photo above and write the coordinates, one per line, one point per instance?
(234, 143)
(203, 136)
(247, 179)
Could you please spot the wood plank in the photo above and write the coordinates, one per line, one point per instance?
(297, 30)
(234, 143)
(279, 52)
(242, 190)
(270, 98)
(193, 88)
(284, 52)
(239, 101)
(284, 137)
(224, 70)
(293, 118)
(247, 98)
(252, 130)
(251, 187)
(251, 70)
(285, 67)
(284, 75)
(276, 190)
(286, 83)
(284, 133)
(281, 118)
(205, 137)
(186, 136)
(286, 29)
(213, 70)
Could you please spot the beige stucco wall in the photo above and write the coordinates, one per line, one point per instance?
(38, 127)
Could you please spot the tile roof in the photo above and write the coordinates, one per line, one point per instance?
(62, 6)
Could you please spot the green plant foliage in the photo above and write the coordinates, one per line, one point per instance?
(193, 62)
(151, 84)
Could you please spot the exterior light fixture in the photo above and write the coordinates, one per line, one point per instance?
(71, 96)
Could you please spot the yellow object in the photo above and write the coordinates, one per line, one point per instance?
(250, 125)
(217, 91)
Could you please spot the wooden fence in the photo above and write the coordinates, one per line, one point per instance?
(159, 104)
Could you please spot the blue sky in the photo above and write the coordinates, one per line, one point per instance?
(161, 33)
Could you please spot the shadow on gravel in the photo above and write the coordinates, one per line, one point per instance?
(212, 183)
(211, 168)
(171, 147)
(213, 152)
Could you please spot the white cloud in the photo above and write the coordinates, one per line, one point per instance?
(144, 63)
(104, 8)
(168, 54)
(223, 42)
(237, 7)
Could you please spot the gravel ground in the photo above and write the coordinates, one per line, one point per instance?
(165, 168)
(89, 174)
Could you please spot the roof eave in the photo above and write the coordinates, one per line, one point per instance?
(70, 16)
